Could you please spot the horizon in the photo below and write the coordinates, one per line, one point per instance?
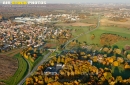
(76, 2)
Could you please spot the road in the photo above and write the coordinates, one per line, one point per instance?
(44, 59)
(98, 24)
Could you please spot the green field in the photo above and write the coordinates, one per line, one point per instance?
(76, 30)
(20, 73)
(113, 30)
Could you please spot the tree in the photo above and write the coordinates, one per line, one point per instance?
(107, 75)
(68, 73)
(59, 60)
(72, 73)
(92, 37)
(118, 51)
(105, 49)
(62, 59)
(76, 82)
(120, 60)
(36, 79)
(95, 59)
(35, 55)
(127, 66)
(40, 67)
(56, 77)
(46, 79)
(119, 78)
(62, 72)
(115, 63)
(110, 60)
(50, 80)
(29, 81)
(51, 62)
(41, 82)
(128, 56)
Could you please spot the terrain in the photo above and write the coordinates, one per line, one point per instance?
(8, 66)
(86, 32)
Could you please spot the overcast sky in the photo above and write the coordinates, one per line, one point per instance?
(78, 1)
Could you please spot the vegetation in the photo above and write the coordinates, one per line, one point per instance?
(20, 73)
(108, 67)
(121, 32)
(119, 19)
(110, 39)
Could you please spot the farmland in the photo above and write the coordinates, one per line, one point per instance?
(107, 22)
(19, 71)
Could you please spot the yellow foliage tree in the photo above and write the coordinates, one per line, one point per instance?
(95, 59)
(120, 60)
(105, 49)
(118, 51)
(115, 63)
(110, 60)
(119, 78)
(25, 55)
(107, 75)
(41, 82)
(128, 56)
(127, 66)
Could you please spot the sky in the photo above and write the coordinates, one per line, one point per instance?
(87, 1)
(78, 1)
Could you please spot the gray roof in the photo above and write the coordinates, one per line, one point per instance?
(50, 69)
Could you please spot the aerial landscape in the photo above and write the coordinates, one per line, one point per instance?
(57, 42)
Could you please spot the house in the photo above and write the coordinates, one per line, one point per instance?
(50, 71)
(91, 62)
(53, 70)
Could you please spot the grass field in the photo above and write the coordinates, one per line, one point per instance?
(114, 30)
(79, 29)
(20, 73)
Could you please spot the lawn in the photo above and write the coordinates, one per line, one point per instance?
(79, 29)
(89, 21)
(20, 73)
(118, 30)
(33, 64)
(37, 61)
(114, 30)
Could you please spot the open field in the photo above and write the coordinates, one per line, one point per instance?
(107, 22)
(79, 29)
(113, 30)
(74, 24)
(51, 44)
(91, 20)
(18, 69)
(8, 66)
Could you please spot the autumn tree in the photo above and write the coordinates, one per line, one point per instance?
(92, 36)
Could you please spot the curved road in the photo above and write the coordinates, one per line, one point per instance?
(44, 59)
(98, 24)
